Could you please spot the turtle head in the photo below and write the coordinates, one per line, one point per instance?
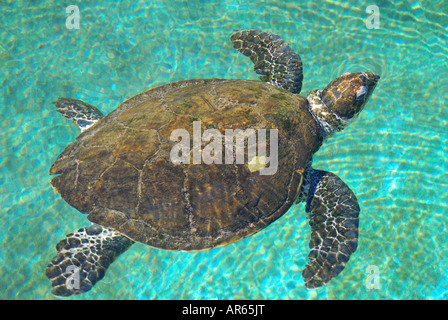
(342, 100)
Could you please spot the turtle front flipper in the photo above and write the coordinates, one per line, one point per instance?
(274, 60)
(81, 113)
(83, 258)
(333, 213)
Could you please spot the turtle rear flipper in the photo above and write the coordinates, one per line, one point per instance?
(81, 113)
(333, 213)
(274, 60)
(83, 258)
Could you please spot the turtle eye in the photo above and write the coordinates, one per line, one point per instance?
(361, 93)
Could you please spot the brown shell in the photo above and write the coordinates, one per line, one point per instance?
(119, 171)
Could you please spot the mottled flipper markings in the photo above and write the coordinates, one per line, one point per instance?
(83, 258)
(334, 216)
(81, 113)
(273, 59)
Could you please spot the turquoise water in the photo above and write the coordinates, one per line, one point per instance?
(393, 156)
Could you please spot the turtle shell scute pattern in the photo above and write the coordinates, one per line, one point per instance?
(119, 171)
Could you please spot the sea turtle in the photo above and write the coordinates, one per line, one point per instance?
(120, 170)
